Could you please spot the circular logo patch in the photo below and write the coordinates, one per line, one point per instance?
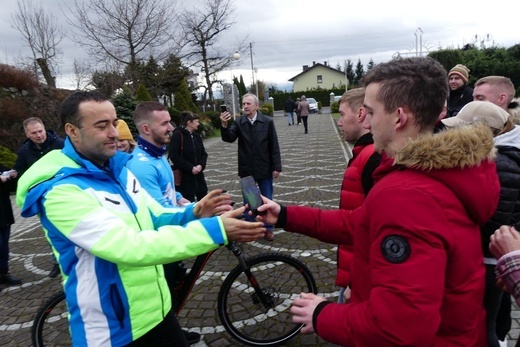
(395, 249)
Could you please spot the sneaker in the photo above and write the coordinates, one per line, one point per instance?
(269, 236)
(192, 337)
(10, 280)
(502, 343)
(55, 271)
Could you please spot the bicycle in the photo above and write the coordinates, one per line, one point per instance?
(253, 301)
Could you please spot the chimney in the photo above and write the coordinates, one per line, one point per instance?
(325, 63)
(305, 67)
(313, 63)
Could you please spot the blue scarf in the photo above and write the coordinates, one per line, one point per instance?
(151, 149)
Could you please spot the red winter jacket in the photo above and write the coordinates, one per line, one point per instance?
(418, 273)
(352, 195)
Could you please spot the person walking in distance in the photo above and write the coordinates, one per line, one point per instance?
(289, 107)
(187, 154)
(111, 237)
(304, 109)
(417, 275)
(357, 179)
(298, 113)
(258, 149)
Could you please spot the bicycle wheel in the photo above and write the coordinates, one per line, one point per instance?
(281, 278)
(51, 324)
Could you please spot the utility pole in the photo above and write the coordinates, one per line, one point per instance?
(418, 42)
(252, 68)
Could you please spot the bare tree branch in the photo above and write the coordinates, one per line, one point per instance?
(202, 29)
(42, 34)
(126, 31)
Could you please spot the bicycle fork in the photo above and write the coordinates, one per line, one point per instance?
(260, 295)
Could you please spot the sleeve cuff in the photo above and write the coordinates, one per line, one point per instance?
(282, 217)
(316, 313)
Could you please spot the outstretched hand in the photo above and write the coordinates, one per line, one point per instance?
(215, 202)
(271, 209)
(241, 230)
(303, 310)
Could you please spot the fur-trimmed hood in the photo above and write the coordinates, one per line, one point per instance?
(456, 147)
(461, 159)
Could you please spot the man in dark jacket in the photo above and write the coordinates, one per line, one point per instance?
(289, 106)
(258, 150)
(460, 92)
(39, 142)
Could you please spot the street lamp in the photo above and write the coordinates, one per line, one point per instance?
(235, 56)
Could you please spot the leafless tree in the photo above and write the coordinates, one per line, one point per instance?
(42, 34)
(202, 28)
(125, 31)
(82, 73)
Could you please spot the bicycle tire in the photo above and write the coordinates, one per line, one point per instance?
(51, 324)
(282, 278)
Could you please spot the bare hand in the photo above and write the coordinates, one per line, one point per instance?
(183, 202)
(241, 230)
(271, 209)
(225, 117)
(276, 174)
(213, 203)
(504, 240)
(303, 310)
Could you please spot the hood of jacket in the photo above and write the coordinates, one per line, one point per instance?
(57, 165)
(444, 155)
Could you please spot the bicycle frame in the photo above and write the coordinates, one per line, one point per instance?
(183, 290)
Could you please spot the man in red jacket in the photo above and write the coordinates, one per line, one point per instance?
(417, 277)
(357, 180)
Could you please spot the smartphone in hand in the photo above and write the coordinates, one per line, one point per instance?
(223, 108)
(251, 194)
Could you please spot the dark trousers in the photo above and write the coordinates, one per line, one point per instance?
(305, 123)
(498, 309)
(168, 333)
(5, 233)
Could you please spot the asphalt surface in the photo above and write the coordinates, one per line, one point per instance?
(313, 166)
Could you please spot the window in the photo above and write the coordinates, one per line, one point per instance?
(320, 79)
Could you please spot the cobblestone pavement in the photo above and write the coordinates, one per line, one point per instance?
(313, 166)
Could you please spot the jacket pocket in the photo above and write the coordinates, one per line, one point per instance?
(117, 304)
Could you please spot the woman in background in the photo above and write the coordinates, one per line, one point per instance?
(187, 154)
(304, 109)
(125, 142)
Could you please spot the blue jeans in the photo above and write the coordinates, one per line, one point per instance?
(290, 117)
(265, 185)
(5, 232)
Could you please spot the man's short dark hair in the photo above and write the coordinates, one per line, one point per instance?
(145, 109)
(418, 84)
(69, 111)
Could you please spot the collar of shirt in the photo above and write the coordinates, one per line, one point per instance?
(252, 120)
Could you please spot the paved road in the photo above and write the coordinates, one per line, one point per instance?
(313, 166)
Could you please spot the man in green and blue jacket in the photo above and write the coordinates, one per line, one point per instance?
(111, 237)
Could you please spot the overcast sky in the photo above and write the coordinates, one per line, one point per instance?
(287, 34)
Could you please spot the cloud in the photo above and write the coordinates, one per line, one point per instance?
(289, 34)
